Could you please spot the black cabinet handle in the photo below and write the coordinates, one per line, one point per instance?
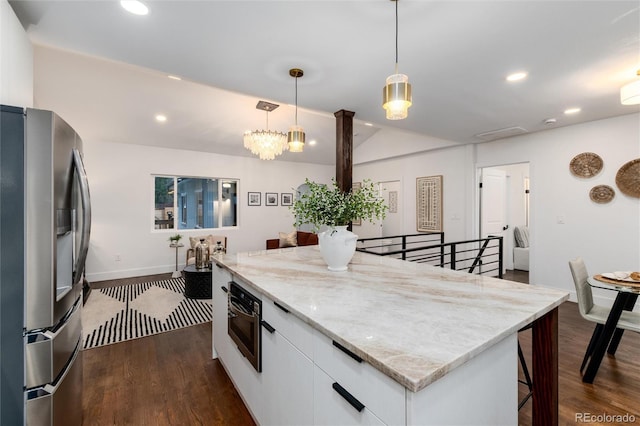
(286, 311)
(348, 397)
(347, 351)
(224, 289)
(267, 326)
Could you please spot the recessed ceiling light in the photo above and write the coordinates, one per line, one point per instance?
(161, 118)
(368, 124)
(313, 142)
(134, 6)
(174, 77)
(572, 111)
(517, 76)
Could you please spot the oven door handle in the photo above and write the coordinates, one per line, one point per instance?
(237, 312)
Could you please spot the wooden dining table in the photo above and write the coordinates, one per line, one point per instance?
(610, 336)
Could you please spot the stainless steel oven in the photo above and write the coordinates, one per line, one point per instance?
(245, 314)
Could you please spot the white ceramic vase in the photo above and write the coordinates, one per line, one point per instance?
(337, 246)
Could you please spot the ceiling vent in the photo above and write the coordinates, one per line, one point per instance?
(501, 133)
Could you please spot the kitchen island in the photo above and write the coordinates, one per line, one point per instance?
(386, 342)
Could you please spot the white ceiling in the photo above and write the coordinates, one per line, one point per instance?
(231, 54)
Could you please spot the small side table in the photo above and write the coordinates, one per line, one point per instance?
(176, 273)
(197, 282)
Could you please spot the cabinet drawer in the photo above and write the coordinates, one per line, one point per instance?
(379, 393)
(330, 407)
(289, 326)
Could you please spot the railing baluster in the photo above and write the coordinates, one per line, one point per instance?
(459, 251)
(452, 256)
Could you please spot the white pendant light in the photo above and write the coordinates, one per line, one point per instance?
(396, 94)
(296, 135)
(267, 144)
(630, 93)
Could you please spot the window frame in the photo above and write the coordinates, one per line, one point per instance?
(178, 213)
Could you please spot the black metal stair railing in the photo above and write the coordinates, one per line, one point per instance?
(479, 256)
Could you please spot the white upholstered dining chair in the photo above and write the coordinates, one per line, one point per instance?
(596, 313)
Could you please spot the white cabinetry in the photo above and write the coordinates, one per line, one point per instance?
(220, 341)
(332, 408)
(376, 391)
(287, 373)
(246, 379)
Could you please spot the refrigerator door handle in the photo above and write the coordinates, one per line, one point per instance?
(86, 215)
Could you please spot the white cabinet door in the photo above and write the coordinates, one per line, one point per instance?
(288, 381)
(382, 395)
(336, 405)
(221, 277)
(247, 381)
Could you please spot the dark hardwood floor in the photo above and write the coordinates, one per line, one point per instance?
(131, 280)
(516, 275)
(616, 389)
(170, 379)
(165, 379)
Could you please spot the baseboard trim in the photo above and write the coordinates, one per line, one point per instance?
(129, 273)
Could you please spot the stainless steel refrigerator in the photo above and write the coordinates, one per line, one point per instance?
(45, 221)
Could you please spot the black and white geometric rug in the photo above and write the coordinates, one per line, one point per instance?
(116, 314)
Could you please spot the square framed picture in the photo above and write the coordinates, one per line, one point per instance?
(286, 199)
(270, 198)
(254, 199)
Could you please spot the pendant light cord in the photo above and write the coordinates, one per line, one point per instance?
(396, 1)
(296, 100)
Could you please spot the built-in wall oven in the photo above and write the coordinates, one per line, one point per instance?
(245, 315)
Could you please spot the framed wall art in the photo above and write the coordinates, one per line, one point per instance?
(393, 201)
(254, 199)
(429, 203)
(270, 198)
(286, 199)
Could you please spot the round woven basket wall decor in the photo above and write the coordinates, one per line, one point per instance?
(586, 165)
(601, 194)
(628, 178)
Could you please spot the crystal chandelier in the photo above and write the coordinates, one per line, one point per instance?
(267, 144)
(296, 134)
(396, 94)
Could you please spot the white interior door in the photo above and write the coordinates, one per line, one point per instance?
(493, 210)
(391, 192)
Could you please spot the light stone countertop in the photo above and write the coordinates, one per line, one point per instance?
(411, 321)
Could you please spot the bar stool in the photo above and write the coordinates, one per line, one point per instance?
(525, 371)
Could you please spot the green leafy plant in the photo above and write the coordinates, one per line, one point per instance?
(328, 205)
(175, 238)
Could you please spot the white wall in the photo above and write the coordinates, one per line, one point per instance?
(121, 182)
(457, 170)
(16, 60)
(392, 143)
(606, 236)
